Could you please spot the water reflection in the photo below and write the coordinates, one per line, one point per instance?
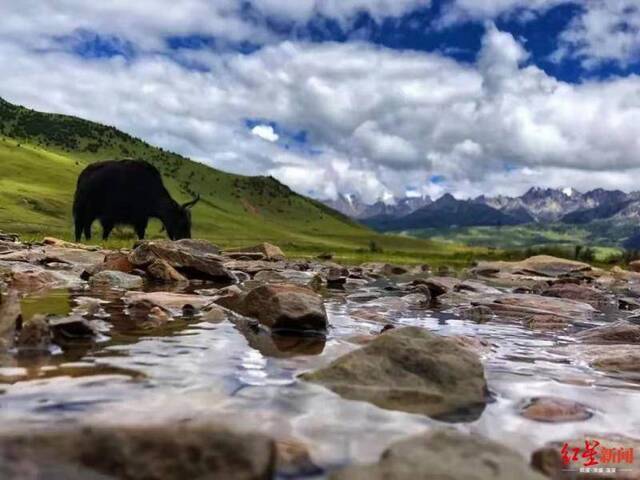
(193, 369)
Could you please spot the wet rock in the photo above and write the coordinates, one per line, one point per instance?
(10, 318)
(523, 307)
(28, 277)
(582, 293)
(387, 305)
(478, 314)
(118, 261)
(294, 277)
(56, 242)
(443, 455)
(548, 459)
(281, 307)
(618, 363)
(158, 317)
(475, 344)
(635, 266)
(9, 237)
(251, 267)
(245, 255)
(214, 314)
(368, 314)
(621, 361)
(337, 277)
(625, 275)
(26, 256)
(269, 251)
(195, 259)
(79, 257)
(628, 304)
(540, 265)
(412, 370)
(294, 461)
(440, 285)
(67, 331)
(384, 269)
(35, 334)
(160, 271)
(555, 410)
(115, 279)
(546, 322)
(470, 286)
(618, 332)
(153, 453)
(89, 306)
(174, 302)
(276, 345)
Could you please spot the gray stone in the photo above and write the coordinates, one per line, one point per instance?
(555, 410)
(151, 453)
(281, 307)
(116, 279)
(267, 250)
(443, 455)
(195, 259)
(618, 332)
(412, 370)
(292, 277)
(10, 316)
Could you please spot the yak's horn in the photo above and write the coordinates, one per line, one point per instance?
(192, 202)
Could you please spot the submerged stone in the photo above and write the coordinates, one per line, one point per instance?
(555, 410)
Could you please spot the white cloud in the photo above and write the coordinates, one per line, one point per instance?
(378, 121)
(458, 11)
(602, 31)
(606, 30)
(343, 10)
(148, 23)
(266, 132)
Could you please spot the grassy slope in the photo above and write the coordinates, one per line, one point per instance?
(41, 156)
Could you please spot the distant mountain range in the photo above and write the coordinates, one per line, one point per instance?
(537, 205)
(352, 206)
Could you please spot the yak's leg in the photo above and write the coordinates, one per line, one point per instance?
(107, 227)
(141, 228)
(87, 222)
(79, 228)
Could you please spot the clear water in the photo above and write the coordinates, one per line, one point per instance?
(191, 370)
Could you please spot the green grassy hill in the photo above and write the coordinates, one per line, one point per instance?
(42, 154)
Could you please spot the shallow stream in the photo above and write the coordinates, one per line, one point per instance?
(195, 370)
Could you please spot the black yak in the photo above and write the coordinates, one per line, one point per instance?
(127, 192)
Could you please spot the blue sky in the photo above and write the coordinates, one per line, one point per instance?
(376, 97)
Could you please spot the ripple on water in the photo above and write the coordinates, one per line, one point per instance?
(196, 370)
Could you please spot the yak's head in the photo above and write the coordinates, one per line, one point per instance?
(179, 225)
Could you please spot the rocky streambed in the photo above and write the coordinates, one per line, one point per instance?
(178, 360)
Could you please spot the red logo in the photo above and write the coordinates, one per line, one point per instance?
(594, 456)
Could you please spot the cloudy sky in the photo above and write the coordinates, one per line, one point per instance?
(376, 97)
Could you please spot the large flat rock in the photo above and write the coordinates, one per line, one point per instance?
(412, 370)
(195, 259)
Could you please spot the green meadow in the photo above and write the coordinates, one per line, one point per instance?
(41, 156)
